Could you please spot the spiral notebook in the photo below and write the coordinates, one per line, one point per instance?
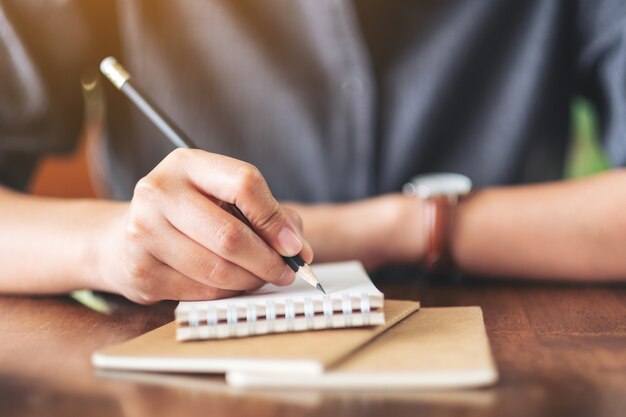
(351, 300)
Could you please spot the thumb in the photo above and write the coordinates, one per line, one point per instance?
(268, 218)
(307, 251)
(277, 227)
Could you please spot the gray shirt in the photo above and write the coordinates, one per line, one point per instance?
(333, 100)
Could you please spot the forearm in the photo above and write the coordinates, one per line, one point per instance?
(571, 230)
(51, 245)
(376, 231)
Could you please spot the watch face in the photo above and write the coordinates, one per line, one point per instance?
(432, 185)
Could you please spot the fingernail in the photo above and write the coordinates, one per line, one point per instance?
(289, 242)
(286, 277)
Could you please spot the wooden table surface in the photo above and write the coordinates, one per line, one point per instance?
(560, 350)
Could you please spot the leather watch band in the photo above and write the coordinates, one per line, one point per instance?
(437, 226)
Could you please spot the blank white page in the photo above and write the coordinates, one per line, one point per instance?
(344, 282)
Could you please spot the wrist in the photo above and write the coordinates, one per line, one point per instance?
(401, 237)
(376, 231)
(101, 246)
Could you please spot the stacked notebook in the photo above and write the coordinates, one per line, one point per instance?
(411, 348)
(351, 300)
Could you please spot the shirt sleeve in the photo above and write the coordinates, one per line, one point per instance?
(45, 49)
(601, 42)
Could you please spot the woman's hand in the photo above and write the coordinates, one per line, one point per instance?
(174, 241)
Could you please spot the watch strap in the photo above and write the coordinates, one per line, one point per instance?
(437, 226)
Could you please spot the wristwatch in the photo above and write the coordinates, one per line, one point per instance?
(440, 192)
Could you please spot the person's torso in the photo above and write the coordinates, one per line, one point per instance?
(335, 100)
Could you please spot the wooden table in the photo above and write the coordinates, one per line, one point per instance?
(560, 350)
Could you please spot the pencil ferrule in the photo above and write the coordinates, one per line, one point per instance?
(115, 72)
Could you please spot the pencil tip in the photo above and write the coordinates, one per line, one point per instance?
(306, 273)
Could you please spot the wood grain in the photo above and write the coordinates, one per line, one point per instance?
(560, 350)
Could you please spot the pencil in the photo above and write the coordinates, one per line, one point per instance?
(120, 78)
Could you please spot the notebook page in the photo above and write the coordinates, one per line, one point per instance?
(343, 281)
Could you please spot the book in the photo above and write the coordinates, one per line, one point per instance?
(432, 348)
(418, 348)
(304, 353)
(351, 300)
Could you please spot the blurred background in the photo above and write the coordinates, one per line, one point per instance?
(72, 176)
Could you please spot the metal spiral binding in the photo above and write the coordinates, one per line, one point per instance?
(309, 312)
(194, 321)
(251, 317)
(231, 319)
(346, 307)
(290, 313)
(270, 315)
(327, 306)
(366, 308)
(212, 320)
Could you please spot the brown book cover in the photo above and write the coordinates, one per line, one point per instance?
(432, 348)
(306, 353)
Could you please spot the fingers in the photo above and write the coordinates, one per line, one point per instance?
(193, 260)
(242, 184)
(201, 220)
(157, 281)
(231, 239)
